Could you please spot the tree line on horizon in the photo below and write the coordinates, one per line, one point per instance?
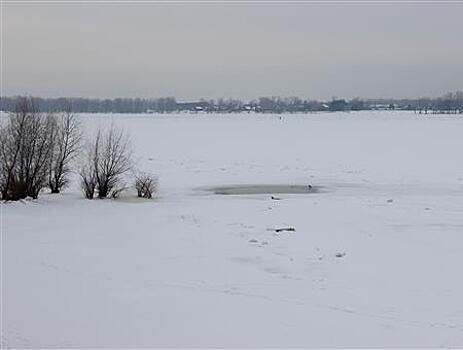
(448, 103)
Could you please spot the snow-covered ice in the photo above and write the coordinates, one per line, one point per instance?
(375, 259)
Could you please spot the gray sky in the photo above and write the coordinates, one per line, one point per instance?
(233, 50)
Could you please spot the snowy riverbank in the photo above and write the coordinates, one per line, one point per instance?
(374, 261)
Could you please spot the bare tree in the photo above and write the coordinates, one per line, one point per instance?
(24, 151)
(146, 185)
(88, 177)
(109, 159)
(66, 140)
(9, 153)
(114, 160)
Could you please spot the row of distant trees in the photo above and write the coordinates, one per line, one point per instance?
(42, 150)
(449, 103)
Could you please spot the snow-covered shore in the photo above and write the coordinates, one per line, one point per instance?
(374, 261)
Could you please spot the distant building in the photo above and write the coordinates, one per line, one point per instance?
(382, 107)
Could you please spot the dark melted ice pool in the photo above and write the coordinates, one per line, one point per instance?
(263, 189)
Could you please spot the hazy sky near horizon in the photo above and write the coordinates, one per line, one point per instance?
(234, 50)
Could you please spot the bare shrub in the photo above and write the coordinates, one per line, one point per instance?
(66, 141)
(88, 175)
(109, 158)
(146, 185)
(25, 149)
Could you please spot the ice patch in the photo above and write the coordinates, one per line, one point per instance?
(263, 189)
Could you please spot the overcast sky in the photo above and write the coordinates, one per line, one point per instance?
(233, 50)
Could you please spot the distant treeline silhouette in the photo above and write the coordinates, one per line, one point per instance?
(449, 103)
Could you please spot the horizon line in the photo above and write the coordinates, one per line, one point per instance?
(242, 99)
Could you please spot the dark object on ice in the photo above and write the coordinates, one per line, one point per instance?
(253, 240)
(340, 255)
(390, 200)
(281, 229)
(275, 198)
(309, 186)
